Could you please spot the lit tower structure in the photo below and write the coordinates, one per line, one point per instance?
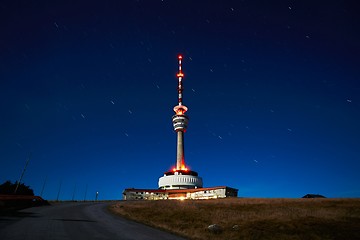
(180, 177)
(180, 182)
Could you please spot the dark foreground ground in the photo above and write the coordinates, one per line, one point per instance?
(73, 221)
(250, 218)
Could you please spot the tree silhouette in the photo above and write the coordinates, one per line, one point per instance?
(9, 188)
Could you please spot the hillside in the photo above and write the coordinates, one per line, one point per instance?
(240, 218)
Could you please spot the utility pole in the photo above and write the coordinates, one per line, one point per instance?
(57, 198)
(42, 189)
(85, 192)
(73, 196)
(22, 174)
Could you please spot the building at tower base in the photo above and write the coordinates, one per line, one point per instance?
(179, 194)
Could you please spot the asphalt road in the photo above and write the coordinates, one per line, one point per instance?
(74, 221)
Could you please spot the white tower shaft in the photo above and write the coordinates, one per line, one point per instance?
(180, 158)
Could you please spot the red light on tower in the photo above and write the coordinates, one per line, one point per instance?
(180, 74)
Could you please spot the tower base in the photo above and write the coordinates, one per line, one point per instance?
(180, 179)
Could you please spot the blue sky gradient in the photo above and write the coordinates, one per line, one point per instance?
(272, 89)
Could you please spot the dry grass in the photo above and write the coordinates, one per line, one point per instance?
(256, 218)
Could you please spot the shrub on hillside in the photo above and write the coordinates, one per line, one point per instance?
(9, 188)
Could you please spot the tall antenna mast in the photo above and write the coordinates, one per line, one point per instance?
(180, 75)
(22, 173)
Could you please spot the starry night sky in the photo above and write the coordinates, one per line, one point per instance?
(272, 87)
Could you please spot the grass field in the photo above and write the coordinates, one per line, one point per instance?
(245, 218)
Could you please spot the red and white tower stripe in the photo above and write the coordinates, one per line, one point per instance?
(180, 75)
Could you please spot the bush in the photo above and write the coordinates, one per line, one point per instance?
(9, 188)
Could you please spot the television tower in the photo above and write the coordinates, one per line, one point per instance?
(180, 177)
(180, 121)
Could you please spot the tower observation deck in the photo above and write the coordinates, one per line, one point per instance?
(180, 177)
